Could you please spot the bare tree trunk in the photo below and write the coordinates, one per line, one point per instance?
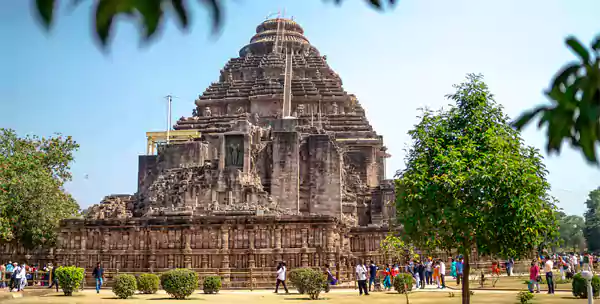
(466, 295)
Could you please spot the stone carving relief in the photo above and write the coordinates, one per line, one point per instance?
(334, 108)
(234, 150)
(207, 112)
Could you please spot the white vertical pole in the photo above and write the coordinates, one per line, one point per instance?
(169, 100)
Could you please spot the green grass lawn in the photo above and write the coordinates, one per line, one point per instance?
(262, 297)
(512, 283)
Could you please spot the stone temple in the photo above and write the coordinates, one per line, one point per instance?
(277, 163)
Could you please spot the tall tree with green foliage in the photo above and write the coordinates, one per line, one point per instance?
(33, 171)
(571, 232)
(470, 182)
(592, 221)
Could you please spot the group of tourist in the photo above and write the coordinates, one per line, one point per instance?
(16, 277)
(567, 264)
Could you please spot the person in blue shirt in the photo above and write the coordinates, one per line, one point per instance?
(98, 274)
(372, 274)
(459, 271)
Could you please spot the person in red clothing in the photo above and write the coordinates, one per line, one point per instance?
(534, 277)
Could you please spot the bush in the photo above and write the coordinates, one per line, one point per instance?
(179, 283)
(148, 283)
(297, 277)
(211, 284)
(579, 286)
(525, 297)
(308, 281)
(69, 279)
(403, 283)
(124, 286)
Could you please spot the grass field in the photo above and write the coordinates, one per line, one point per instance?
(512, 283)
(265, 297)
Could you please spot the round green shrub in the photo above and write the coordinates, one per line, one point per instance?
(211, 284)
(403, 283)
(69, 279)
(524, 297)
(179, 283)
(308, 281)
(579, 286)
(148, 283)
(298, 278)
(124, 286)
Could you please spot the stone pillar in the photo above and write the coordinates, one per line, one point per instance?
(304, 259)
(325, 186)
(221, 152)
(247, 158)
(225, 271)
(285, 181)
(187, 249)
(277, 238)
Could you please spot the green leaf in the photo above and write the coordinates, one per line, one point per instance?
(596, 44)
(563, 75)
(578, 48)
(181, 12)
(105, 14)
(152, 13)
(526, 117)
(45, 9)
(215, 13)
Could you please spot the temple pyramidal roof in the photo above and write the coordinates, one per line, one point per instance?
(258, 75)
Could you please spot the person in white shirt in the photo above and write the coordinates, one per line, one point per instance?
(443, 274)
(548, 265)
(23, 281)
(361, 278)
(281, 277)
(428, 272)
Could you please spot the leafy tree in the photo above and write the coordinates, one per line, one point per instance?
(33, 171)
(470, 182)
(575, 111)
(395, 249)
(571, 231)
(592, 221)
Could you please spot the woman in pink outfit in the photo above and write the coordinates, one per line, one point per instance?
(534, 277)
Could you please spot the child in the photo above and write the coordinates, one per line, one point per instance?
(436, 274)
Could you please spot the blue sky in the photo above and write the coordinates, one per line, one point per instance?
(395, 62)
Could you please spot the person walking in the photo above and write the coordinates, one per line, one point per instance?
(429, 271)
(372, 274)
(534, 277)
(421, 274)
(98, 274)
(53, 277)
(361, 278)
(548, 265)
(443, 274)
(459, 271)
(281, 272)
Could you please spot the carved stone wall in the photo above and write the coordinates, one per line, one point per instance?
(220, 244)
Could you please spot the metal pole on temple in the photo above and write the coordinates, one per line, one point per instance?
(169, 102)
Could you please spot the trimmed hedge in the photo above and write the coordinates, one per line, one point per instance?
(579, 286)
(403, 283)
(211, 284)
(69, 279)
(148, 283)
(179, 283)
(125, 286)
